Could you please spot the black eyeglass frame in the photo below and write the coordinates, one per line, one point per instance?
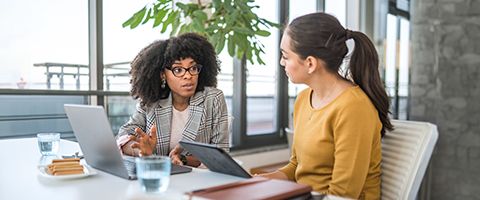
(184, 70)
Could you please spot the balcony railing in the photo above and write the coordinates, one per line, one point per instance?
(61, 70)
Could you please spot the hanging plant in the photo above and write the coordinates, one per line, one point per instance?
(230, 23)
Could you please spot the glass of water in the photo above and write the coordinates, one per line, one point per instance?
(153, 173)
(48, 143)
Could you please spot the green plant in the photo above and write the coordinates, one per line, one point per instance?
(223, 22)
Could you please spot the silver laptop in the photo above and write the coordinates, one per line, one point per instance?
(92, 129)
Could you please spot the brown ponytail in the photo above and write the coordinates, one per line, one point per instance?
(363, 69)
(321, 35)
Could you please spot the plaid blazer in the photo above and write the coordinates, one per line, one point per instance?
(207, 123)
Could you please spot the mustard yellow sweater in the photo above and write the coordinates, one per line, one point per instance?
(337, 148)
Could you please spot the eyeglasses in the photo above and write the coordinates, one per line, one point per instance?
(180, 71)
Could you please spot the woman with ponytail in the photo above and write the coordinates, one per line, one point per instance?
(340, 119)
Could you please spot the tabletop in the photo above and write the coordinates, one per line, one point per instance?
(20, 178)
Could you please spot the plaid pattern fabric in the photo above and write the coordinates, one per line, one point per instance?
(207, 123)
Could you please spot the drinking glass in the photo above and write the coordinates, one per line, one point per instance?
(153, 173)
(48, 143)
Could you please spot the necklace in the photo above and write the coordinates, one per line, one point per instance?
(321, 102)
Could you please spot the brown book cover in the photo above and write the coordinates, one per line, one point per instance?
(254, 188)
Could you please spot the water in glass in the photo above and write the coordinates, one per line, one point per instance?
(153, 173)
(48, 143)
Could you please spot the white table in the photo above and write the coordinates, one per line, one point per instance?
(20, 179)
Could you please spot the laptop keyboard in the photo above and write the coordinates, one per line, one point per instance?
(129, 163)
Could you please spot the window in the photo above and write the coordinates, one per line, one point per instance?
(44, 50)
(261, 84)
(121, 45)
(397, 64)
(44, 45)
(337, 8)
(225, 78)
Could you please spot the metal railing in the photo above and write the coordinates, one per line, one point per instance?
(60, 70)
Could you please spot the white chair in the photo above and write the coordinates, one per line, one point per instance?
(289, 133)
(406, 152)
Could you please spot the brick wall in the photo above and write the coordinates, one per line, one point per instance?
(445, 90)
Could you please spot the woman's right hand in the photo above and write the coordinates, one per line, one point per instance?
(145, 143)
(273, 175)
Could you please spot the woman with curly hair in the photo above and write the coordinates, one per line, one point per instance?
(174, 81)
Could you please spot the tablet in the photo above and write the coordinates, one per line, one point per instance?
(216, 159)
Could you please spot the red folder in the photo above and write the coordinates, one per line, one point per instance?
(254, 188)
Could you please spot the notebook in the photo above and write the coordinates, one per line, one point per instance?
(254, 188)
(216, 159)
(92, 129)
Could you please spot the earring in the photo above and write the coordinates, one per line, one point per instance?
(164, 84)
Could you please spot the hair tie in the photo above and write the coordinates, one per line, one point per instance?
(348, 34)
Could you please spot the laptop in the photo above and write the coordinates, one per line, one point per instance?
(216, 159)
(94, 134)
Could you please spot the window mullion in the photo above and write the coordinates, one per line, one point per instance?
(239, 99)
(95, 49)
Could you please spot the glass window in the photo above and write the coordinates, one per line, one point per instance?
(390, 59)
(120, 108)
(261, 78)
(403, 73)
(298, 9)
(44, 44)
(225, 78)
(397, 62)
(22, 117)
(337, 8)
(121, 45)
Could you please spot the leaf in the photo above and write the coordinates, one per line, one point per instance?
(231, 46)
(128, 22)
(175, 26)
(169, 20)
(216, 3)
(147, 16)
(273, 24)
(138, 18)
(242, 41)
(259, 59)
(159, 18)
(228, 6)
(263, 33)
(181, 6)
(231, 19)
(243, 30)
(197, 25)
(220, 45)
(183, 29)
(248, 54)
(199, 14)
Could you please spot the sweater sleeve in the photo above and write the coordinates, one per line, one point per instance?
(354, 132)
(291, 167)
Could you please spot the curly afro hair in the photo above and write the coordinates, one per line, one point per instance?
(153, 59)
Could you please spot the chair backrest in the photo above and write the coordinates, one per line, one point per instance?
(289, 133)
(406, 152)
